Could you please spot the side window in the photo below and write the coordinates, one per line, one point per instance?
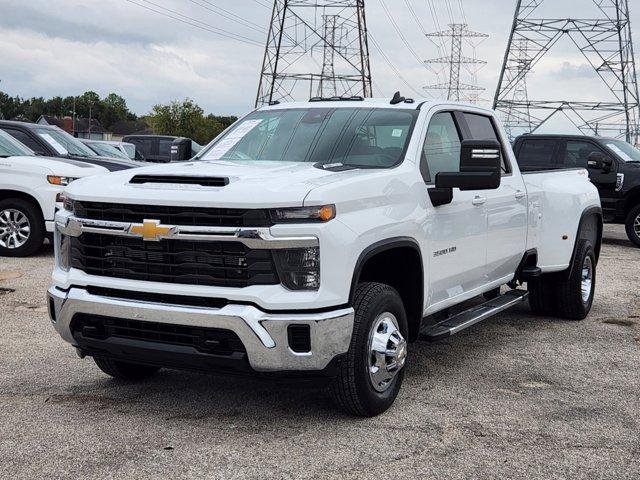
(164, 148)
(26, 140)
(441, 149)
(576, 154)
(537, 154)
(482, 128)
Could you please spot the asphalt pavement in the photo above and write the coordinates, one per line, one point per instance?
(517, 396)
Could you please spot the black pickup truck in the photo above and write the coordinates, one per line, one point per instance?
(613, 165)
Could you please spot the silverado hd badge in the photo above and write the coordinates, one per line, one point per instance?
(151, 230)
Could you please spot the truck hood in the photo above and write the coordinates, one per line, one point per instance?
(110, 163)
(63, 167)
(251, 184)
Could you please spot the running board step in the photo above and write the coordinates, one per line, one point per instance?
(462, 320)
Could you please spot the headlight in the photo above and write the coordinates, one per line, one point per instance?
(62, 181)
(619, 181)
(299, 268)
(323, 213)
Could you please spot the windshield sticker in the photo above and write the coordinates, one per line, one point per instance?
(54, 143)
(397, 132)
(228, 142)
(620, 153)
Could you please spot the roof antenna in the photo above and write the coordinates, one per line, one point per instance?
(397, 98)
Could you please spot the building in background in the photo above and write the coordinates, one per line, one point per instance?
(78, 127)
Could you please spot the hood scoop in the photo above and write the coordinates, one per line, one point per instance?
(180, 180)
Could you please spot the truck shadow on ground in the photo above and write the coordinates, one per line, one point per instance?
(192, 397)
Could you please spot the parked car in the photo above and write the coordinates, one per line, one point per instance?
(30, 193)
(157, 148)
(122, 149)
(613, 165)
(317, 240)
(48, 140)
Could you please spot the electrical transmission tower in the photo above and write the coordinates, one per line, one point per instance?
(453, 63)
(519, 119)
(606, 44)
(299, 29)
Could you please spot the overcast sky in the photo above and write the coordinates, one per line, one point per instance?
(64, 47)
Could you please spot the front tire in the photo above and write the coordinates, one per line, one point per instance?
(22, 228)
(125, 371)
(371, 375)
(632, 225)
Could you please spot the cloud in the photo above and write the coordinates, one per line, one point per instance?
(65, 47)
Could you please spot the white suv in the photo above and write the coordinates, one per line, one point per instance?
(30, 194)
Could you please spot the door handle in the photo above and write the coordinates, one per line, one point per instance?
(520, 194)
(478, 200)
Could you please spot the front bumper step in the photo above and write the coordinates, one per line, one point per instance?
(264, 335)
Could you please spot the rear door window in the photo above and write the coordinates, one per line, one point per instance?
(537, 154)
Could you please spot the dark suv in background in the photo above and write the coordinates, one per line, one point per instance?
(158, 148)
(613, 165)
(50, 141)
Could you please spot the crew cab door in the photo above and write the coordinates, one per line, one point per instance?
(457, 231)
(506, 206)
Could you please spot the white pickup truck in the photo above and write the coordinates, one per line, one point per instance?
(319, 239)
(30, 190)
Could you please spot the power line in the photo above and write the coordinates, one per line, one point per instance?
(229, 15)
(388, 61)
(195, 23)
(401, 35)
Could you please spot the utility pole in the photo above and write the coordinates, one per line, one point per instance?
(453, 63)
(606, 44)
(298, 28)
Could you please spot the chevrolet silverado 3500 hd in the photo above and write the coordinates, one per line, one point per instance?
(318, 239)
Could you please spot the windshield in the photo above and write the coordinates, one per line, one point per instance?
(10, 147)
(107, 150)
(624, 150)
(63, 143)
(360, 137)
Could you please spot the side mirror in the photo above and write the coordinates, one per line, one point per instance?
(598, 161)
(181, 150)
(480, 169)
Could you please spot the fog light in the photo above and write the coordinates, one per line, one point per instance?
(299, 268)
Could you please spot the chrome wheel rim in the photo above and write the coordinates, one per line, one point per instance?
(636, 226)
(387, 351)
(587, 279)
(14, 228)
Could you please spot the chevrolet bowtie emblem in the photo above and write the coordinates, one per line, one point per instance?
(151, 230)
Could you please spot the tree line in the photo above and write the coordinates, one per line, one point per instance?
(180, 118)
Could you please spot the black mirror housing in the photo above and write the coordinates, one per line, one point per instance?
(598, 161)
(480, 167)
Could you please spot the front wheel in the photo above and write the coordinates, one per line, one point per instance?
(632, 225)
(22, 228)
(371, 375)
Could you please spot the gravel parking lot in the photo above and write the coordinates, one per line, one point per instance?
(514, 397)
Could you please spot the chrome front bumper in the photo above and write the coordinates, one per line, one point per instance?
(264, 335)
